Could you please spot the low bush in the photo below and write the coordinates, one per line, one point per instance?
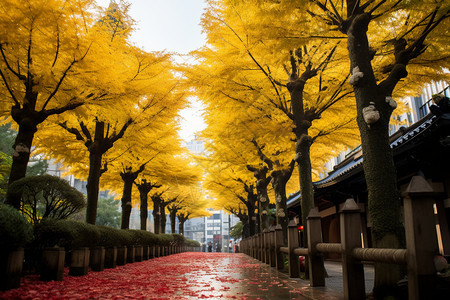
(66, 233)
(178, 239)
(143, 238)
(15, 231)
(47, 196)
(109, 237)
(191, 243)
(125, 238)
(164, 239)
(149, 238)
(86, 235)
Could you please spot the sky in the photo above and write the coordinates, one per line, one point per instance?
(173, 26)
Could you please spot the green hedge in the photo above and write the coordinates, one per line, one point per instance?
(178, 239)
(165, 239)
(109, 237)
(191, 243)
(70, 234)
(15, 231)
(144, 238)
(66, 233)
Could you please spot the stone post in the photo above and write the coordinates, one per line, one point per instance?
(315, 258)
(421, 238)
(352, 269)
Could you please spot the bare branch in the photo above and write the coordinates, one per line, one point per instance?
(85, 131)
(9, 89)
(58, 84)
(114, 138)
(73, 131)
(18, 75)
(57, 45)
(261, 155)
(60, 110)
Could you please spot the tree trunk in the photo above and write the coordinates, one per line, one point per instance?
(279, 187)
(163, 217)
(144, 207)
(263, 201)
(181, 226)
(156, 214)
(21, 156)
(379, 169)
(144, 188)
(251, 215)
(95, 166)
(303, 144)
(128, 179)
(305, 178)
(173, 218)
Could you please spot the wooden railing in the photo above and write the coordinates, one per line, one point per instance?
(421, 242)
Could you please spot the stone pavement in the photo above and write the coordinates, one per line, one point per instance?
(192, 275)
(334, 279)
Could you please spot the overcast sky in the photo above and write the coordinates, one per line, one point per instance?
(171, 25)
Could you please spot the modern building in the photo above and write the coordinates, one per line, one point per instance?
(214, 229)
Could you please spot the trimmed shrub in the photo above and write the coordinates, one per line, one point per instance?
(125, 238)
(86, 235)
(178, 239)
(66, 233)
(109, 237)
(191, 243)
(165, 239)
(136, 237)
(50, 233)
(150, 239)
(142, 237)
(15, 231)
(47, 196)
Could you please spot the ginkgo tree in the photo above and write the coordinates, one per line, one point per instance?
(231, 185)
(190, 202)
(394, 48)
(238, 70)
(51, 62)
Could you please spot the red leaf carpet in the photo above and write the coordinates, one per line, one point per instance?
(193, 275)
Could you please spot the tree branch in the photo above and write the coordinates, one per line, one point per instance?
(85, 131)
(114, 138)
(56, 111)
(262, 156)
(58, 84)
(18, 75)
(73, 131)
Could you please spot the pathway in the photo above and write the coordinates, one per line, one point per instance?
(192, 275)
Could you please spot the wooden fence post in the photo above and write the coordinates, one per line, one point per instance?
(265, 240)
(294, 267)
(352, 269)
(315, 259)
(279, 242)
(421, 239)
(272, 250)
(259, 246)
(254, 252)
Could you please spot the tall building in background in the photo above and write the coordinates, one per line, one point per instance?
(214, 229)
